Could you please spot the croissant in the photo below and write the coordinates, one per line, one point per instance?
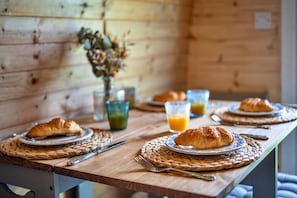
(255, 105)
(170, 96)
(181, 95)
(56, 126)
(207, 137)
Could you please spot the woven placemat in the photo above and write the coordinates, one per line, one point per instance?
(13, 147)
(144, 106)
(157, 153)
(289, 114)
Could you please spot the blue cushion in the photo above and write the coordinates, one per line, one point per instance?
(286, 188)
(286, 194)
(282, 177)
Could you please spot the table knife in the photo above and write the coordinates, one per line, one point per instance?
(84, 157)
(256, 137)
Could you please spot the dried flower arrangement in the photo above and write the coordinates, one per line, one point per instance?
(106, 55)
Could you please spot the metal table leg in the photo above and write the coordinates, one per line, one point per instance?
(264, 177)
(42, 183)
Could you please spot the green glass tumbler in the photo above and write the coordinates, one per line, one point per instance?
(117, 113)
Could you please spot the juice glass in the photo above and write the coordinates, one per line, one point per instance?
(199, 101)
(178, 115)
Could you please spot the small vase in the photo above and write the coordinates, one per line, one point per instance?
(108, 87)
(100, 98)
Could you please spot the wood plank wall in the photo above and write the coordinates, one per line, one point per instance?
(227, 54)
(44, 73)
(178, 44)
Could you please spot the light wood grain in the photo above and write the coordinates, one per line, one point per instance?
(227, 48)
(118, 168)
(24, 30)
(48, 8)
(179, 44)
(148, 11)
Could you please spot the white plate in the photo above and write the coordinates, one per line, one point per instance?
(278, 108)
(56, 140)
(238, 143)
(155, 103)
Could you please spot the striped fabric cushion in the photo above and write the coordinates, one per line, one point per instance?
(286, 188)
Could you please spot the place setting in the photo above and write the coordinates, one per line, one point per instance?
(205, 148)
(57, 138)
(187, 152)
(255, 112)
(197, 97)
(156, 103)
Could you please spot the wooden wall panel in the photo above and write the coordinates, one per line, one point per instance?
(148, 10)
(36, 30)
(54, 8)
(39, 57)
(148, 30)
(44, 73)
(66, 103)
(227, 54)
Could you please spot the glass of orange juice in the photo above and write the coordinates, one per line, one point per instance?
(178, 115)
(199, 101)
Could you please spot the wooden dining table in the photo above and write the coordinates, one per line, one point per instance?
(117, 167)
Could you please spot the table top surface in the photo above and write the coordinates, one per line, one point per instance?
(117, 167)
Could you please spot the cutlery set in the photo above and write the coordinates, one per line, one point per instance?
(153, 168)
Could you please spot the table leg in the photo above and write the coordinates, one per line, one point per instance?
(44, 184)
(264, 177)
(84, 190)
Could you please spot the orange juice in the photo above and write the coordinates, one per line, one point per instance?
(198, 108)
(178, 123)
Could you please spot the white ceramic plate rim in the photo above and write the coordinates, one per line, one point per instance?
(278, 108)
(238, 143)
(155, 103)
(58, 140)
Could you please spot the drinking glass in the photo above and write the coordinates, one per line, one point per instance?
(199, 101)
(178, 115)
(99, 106)
(130, 95)
(117, 114)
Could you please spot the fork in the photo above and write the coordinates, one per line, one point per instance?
(151, 167)
(216, 118)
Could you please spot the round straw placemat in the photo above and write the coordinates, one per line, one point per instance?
(13, 147)
(145, 106)
(289, 114)
(157, 152)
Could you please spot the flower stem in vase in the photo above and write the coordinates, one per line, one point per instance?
(108, 87)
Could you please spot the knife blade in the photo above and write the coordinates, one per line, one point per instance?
(84, 157)
(256, 137)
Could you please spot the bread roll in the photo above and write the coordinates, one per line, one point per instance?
(170, 96)
(207, 137)
(181, 95)
(255, 105)
(56, 126)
